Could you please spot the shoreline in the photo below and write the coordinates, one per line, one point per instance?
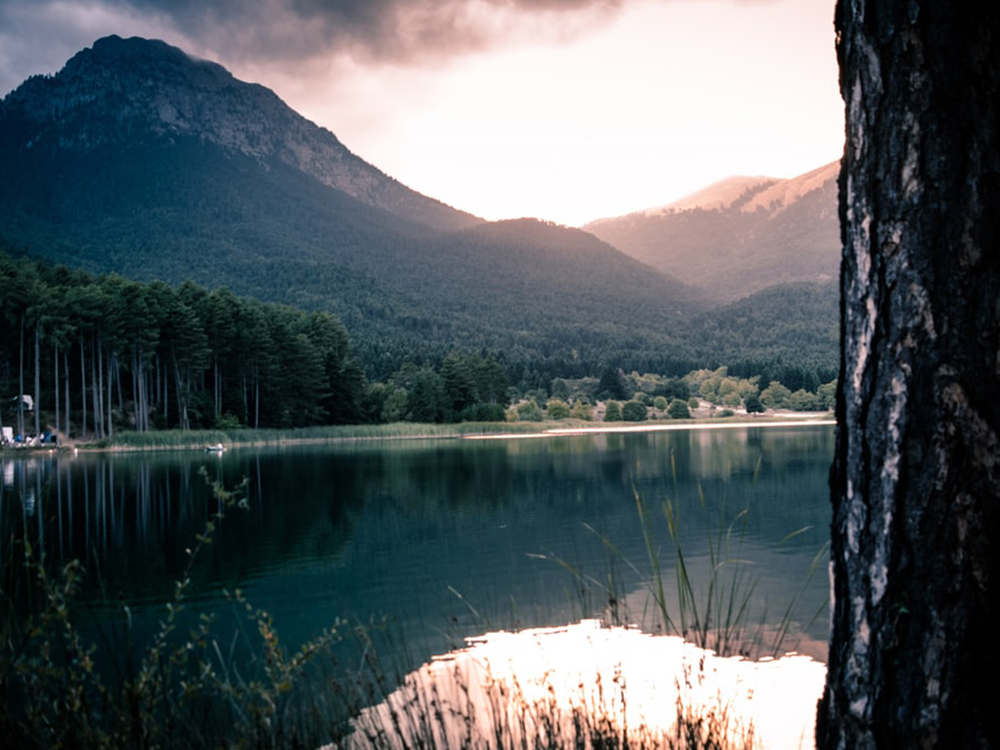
(658, 427)
(200, 440)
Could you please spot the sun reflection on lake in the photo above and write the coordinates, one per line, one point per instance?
(587, 684)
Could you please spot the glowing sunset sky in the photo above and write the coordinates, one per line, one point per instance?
(568, 110)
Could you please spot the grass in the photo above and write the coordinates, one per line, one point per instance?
(718, 612)
(249, 438)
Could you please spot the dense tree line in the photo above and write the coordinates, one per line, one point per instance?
(102, 353)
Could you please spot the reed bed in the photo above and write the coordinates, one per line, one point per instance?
(250, 438)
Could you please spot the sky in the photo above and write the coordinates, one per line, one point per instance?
(564, 110)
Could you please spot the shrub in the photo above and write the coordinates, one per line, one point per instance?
(753, 404)
(634, 411)
(484, 413)
(227, 422)
(679, 409)
(612, 412)
(529, 411)
(557, 409)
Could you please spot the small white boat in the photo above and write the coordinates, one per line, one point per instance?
(217, 448)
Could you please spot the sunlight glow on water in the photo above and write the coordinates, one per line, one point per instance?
(504, 686)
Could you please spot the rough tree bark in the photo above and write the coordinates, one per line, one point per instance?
(916, 479)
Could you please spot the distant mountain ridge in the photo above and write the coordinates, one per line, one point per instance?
(153, 89)
(739, 235)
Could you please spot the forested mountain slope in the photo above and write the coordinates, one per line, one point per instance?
(739, 236)
(787, 332)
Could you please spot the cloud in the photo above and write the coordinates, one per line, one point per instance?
(38, 36)
(393, 31)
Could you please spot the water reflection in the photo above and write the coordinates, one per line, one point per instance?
(581, 684)
(403, 528)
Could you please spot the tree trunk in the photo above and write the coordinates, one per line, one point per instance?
(66, 385)
(83, 389)
(181, 392)
(97, 389)
(915, 483)
(20, 385)
(38, 379)
(55, 379)
(112, 374)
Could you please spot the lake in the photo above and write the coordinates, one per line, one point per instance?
(449, 539)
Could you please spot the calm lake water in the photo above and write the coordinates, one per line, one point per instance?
(445, 538)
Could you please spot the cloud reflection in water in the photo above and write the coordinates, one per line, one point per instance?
(542, 682)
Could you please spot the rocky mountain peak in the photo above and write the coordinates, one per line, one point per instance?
(121, 91)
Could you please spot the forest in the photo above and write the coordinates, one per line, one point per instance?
(100, 354)
(106, 353)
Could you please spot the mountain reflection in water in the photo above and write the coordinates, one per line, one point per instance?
(568, 683)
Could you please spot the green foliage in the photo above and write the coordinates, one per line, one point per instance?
(679, 409)
(634, 411)
(612, 385)
(529, 411)
(827, 395)
(803, 400)
(560, 389)
(481, 412)
(227, 422)
(557, 409)
(582, 410)
(612, 412)
(144, 355)
(775, 395)
(660, 403)
(753, 404)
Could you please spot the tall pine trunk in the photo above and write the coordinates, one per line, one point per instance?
(20, 383)
(38, 379)
(66, 431)
(96, 387)
(916, 479)
(83, 389)
(55, 380)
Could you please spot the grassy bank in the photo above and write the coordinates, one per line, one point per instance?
(247, 438)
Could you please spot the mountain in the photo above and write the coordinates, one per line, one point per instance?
(122, 92)
(786, 332)
(138, 159)
(740, 235)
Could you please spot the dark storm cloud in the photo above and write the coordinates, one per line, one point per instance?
(389, 30)
(38, 36)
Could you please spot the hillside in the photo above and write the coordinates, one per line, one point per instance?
(138, 159)
(787, 332)
(739, 236)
